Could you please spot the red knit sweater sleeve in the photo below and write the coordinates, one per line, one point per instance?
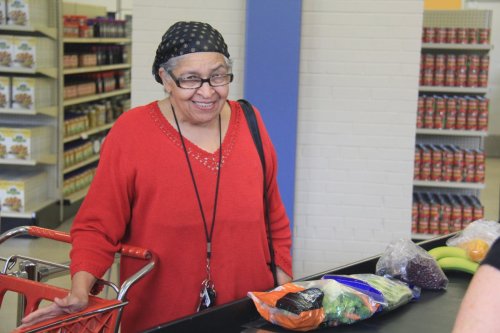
(101, 221)
(280, 223)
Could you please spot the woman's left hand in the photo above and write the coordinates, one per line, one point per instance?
(282, 276)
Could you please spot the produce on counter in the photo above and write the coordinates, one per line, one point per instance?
(476, 239)
(408, 262)
(458, 264)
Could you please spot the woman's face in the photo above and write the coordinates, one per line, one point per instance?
(204, 104)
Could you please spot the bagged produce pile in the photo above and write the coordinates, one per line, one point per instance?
(332, 301)
(408, 262)
(476, 239)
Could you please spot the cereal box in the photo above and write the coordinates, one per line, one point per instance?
(4, 92)
(31, 93)
(18, 12)
(3, 145)
(24, 54)
(22, 190)
(6, 50)
(3, 14)
(28, 142)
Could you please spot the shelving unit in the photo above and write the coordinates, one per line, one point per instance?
(44, 23)
(60, 204)
(467, 139)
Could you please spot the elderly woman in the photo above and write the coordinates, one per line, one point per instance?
(181, 177)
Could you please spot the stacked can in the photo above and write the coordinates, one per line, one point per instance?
(484, 66)
(461, 118)
(451, 113)
(479, 166)
(420, 111)
(442, 213)
(482, 117)
(447, 163)
(456, 35)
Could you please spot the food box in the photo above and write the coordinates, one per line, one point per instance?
(21, 190)
(33, 52)
(29, 12)
(70, 61)
(4, 92)
(28, 142)
(3, 13)
(32, 93)
(3, 145)
(6, 51)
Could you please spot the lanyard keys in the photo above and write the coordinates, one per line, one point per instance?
(207, 295)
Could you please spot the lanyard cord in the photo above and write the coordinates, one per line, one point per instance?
(208, 236)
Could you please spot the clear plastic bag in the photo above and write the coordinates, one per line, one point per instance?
(408, 262)
(307, 305)
(476, 239)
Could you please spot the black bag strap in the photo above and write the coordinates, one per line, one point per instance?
(254, 130)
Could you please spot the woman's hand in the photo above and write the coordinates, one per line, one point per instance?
(282, 276)
(77, 300)
(69, 304)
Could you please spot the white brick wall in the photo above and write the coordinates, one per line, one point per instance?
(153, 17)
(356, 131)
(357, 108)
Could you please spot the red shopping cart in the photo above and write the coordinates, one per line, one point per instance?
(102, 315)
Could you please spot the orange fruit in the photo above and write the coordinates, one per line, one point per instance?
(476, 249)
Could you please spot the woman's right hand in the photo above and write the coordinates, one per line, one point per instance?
(77, 300)
(69, 304)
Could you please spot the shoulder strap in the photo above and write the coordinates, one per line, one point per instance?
(254, 130)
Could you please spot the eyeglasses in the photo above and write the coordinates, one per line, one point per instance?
(195, 82)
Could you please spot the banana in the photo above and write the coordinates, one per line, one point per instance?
(447, 251)
(458, 264)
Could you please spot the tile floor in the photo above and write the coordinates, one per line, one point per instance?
(58, 252)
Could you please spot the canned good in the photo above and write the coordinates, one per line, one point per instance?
(451, 36)
(451, 62)
(482, 120)
(444, 225)
(484, 36)
(461, 118)
(482, 79)
(428, 77)
(428, 35)
(428, 60)
(474, 61)
(461, 61)
(420, 111)
(472, 37)
(461, 78)
(423, 217)
(484, 63)
(451, 113)
(440, 35)
(440, 112)
(461, 35)
(429, 113)
(434, 211)
(439, 77)
(456, 217)
(414, 215)
(472, 114)
(472, 78)
(449, 78)
(440, 62)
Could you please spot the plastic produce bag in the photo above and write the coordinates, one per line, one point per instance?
(303, 306)
(476, 238)
(395, 292)
(408, 262)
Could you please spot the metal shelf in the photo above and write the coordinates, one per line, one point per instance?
(45, 159)
(86, 134)
(97, 40)
(96, 97)
(28, 213)
(443, 46)
(81, 70)
(49, 71)
(48, 111)
(47, 31)
(473, 186)
(81, 164)
(459, 90)
(72, 198)
(449, 132)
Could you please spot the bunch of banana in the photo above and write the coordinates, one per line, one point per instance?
(453, 258)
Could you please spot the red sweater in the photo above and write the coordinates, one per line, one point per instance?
(142, 195)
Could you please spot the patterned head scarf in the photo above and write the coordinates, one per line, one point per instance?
(187, 37)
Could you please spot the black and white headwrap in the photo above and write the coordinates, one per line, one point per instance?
(187, 37)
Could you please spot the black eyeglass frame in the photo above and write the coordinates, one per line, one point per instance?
(178, 83)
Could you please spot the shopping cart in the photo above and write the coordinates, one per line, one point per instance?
(101, 315)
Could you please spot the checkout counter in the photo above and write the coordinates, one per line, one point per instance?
(433, 312)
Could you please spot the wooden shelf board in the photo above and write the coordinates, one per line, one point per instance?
(89, 69)
(97, 40)
(47, 31)
(85, 135)
(44, 159)
(48, 71)
(81, 164)
(95, 97)
(72, 198)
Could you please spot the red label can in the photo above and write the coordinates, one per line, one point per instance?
(440, 35)
(451, 113)
(444, 225)
(462, 61)
(439, 77)
(461, 35)
(456, 217)
(484, 62)
(474, 61)
(428, 77)
(451, 35)
(482, 80)
(484, 36)
(451, 62)
(460, 78)
(472, 37)
(428, 35)
(472, 78)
